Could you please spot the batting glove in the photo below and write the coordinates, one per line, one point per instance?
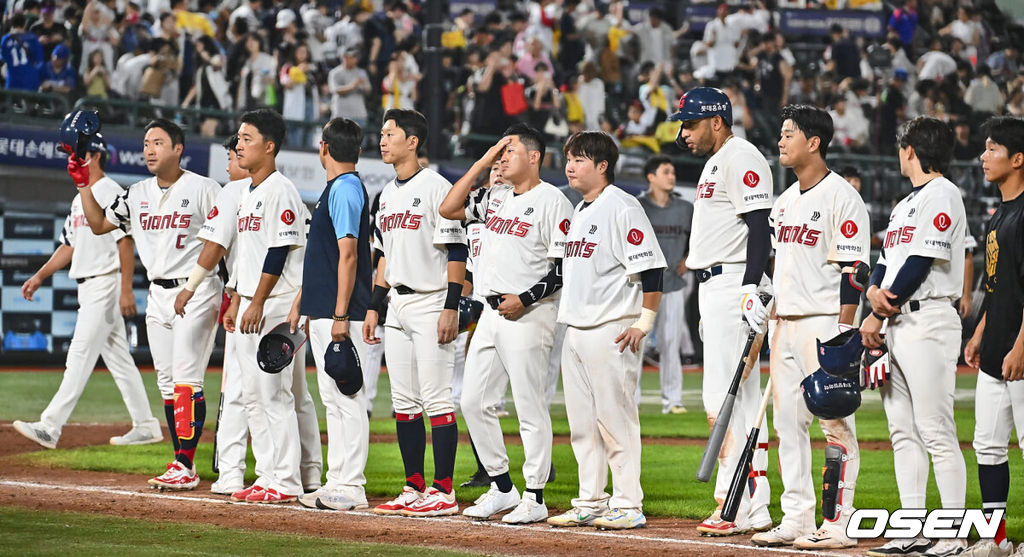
(876, 367)
(79, 173)
(754, 310)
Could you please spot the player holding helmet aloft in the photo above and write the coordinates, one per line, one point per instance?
(612, 275)
(729, 246)
(518, 274)
(104, 295)
(918, 275)
(423, 265)
(821, 231)
(997, 347)
(164, 215)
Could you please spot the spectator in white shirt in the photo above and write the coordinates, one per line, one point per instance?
(722, 39)
(935, 64)
(983, 94)
(656, 38)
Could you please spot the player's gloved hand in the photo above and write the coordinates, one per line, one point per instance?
(876, 367)
(754, 310)
(78, 171)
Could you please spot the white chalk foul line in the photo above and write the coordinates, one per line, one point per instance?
(460, 522)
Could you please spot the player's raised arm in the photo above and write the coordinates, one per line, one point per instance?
(454, 205)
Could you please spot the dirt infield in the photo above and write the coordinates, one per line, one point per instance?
(127, 495)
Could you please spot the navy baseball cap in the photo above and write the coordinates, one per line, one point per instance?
(341, 363)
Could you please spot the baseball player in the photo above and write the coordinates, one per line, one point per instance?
(104, 295)
(164, 215)
(271, 226)
(612, 275)
(821, 231)
(729, 247)
(915, 281)
(518, 274)
(671, 216)
(336, 284)
(424, 261)
(997, 347)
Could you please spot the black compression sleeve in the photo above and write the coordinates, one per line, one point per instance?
(652, 279)
(911, 275)
(546, 287)
(759, 245)
(273, 263)
(849, 290)
(877, 274)
(457, 252)
(469, 276)
(379, 298)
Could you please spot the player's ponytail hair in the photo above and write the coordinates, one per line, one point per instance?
(596, 146)
(932, 140)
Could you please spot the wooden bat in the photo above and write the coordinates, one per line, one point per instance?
(738, 487)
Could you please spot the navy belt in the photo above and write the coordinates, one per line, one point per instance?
(169, 283)
(705, 275)
(494, 301)
(404, 290)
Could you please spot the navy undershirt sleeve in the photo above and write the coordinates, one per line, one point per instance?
(652, 279)
(759, 245)
(273, 263)
(909, 279)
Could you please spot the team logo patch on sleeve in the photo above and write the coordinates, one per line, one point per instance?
(287, 216)
(564, 226)
(849, 229)
(751, 179)
(213, 213)
(634, 236)
(942, 221)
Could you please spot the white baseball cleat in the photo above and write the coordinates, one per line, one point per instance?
(824, 538)
(988, 548)
(224, 486)
(908, 546)
(945, 548)
(400, 503)
(139, 435)
(621, 519)
(37, 432)
(572, 517)
(493, 501)
(433, 503)
(176, 478)
(783, 534)
(339, 501)
(308, 500)
(527, 511)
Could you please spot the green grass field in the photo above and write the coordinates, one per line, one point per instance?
(669, 485)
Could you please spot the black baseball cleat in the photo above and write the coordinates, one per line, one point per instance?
(479, 479)
(911, 546)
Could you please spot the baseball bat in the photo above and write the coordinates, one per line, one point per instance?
(714, 446)
(220, 411)
(739, 478)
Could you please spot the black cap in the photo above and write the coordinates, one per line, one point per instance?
(341, 363)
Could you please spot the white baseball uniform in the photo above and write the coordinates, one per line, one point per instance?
(412, 236)
(924, 344)
(736, 180)
(271, 215)
(165, 224)
(522, 235)
(99, 327)
(610, 242)
(814, 231)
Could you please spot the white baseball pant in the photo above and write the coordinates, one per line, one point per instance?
(673, 338)
(181, 346)
(918, 402)
(348, 426)
(507, 352)
(459, 370)
(724, 334)
(419, 368)
(371, 365)
(794, 356)
(998, 409)
(555, 363)
(99, 330)
(604, 423)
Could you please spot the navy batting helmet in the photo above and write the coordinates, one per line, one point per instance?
(278, 346)
(703, 102)
(840, 355)
(77, 132)
(469, 312)
(829, 397)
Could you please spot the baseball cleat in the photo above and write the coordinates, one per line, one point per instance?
(308, 500)
(433, 503)
(824, 538)
(677, 409)
(493, 501)
(226, 487)
(988, 548)
(270, 496)
(572, 517)
(527, 511)
(241, 495)
(776, 537)
(760, 520)
(911, 546)
(139, 435)
(36, 432)
(338, 501)
(621, 519)
(400, 503)
(177, 478)
(945, 548)
(479, 479)
(715, 526)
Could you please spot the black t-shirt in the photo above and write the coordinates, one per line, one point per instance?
(771, 80)
(1004, 284)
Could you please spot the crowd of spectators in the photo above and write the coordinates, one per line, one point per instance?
(560, 65)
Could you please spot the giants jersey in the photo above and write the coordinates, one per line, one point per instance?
(929, 222)
(165, 222)
(474, 232)
(610, 241)
(813, 231)
(270, 215)
(412, 234)
(522, 233)
(735, 180)
(221, 222)
(94, 255)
